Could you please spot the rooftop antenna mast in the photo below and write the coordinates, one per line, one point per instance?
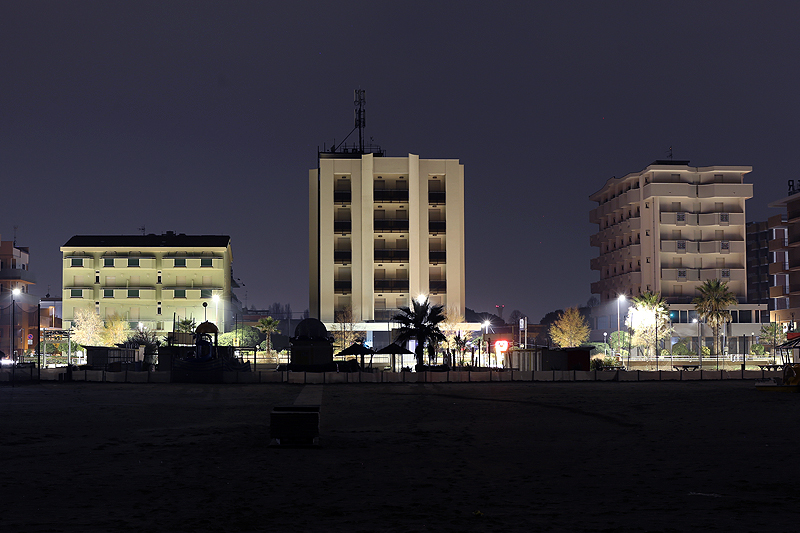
(142, 229)
(359, 99)
(15, 235)
(669, 153)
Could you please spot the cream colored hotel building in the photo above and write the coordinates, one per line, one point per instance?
(384, 230)
(667, 229)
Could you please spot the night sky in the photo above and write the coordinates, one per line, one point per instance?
(204, 117)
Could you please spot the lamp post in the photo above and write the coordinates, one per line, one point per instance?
(605, 334)
(14, 293)
(620, 298)
(486, 332)
(216, 309)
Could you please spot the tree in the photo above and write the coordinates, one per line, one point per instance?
(344, 330)
(570, 329)
(712, 306)
(115, 331)
(244, 335)
(186, 325)
(87, 328)
(421, 324)
(451, 329)
(648, 317)
(772, 334)
(268, 326)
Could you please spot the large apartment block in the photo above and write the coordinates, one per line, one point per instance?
(785, 265)
(384, 230)
(669, 228)
(148, 279)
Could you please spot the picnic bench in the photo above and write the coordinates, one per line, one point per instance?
(614, 367)
(686, 367)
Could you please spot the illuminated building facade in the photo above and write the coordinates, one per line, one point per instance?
(149, 279)
(384, 230)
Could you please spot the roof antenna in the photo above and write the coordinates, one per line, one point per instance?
(669, 153)
(15, 235)
(359, 99)
(141, 228)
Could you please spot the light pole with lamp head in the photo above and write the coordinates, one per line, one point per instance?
(14, 293)
(486, 325)
(216, 309)
(605, 341)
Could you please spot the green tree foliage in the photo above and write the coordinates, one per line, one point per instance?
(648, 318)
(682, 347)
(712, 306)
(115, 331)
(148, 339)
(422, 324)
(242, 336)
(772, 335)
(268, 326)
(570, 329)
(186, 325)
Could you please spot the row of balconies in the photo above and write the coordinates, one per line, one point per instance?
(17, 274)
(616, 257)
(146, 293)
(702, 219)
(389, 225)
(703, 247)
(611, 233)
(671, 190)
(617, 284)
(389, 255)
(702, 274)
(387, 196)
(435, 286)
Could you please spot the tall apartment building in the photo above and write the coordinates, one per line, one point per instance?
(384, 230)
(149, 279)
(786, 262)
(759, 258)
(667, 229)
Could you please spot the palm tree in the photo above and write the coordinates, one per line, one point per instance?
(712, 306)
(268, 326)
(421, 324)
(648, 317)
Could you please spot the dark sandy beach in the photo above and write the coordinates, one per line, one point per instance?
(654, 456)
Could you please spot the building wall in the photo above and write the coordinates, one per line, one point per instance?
(14, 267)
(669, 228)
(107, 280)
(385, 225)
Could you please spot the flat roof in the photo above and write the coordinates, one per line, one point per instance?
(166, 240)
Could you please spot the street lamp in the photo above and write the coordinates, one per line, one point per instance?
(605, 347)
(486, 325)
(216, 309)
(14, 293)
(699, 356)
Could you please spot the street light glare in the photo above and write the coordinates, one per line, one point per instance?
(215, 297)
(621, 298)
(16, 291)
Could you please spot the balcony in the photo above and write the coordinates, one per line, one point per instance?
(342, 197)
(342, 226)
(391, 285)
(342, 256)
(385, 315)
(17, 274)
(778, 268)
(436, 197)
(776, 245)
(779, 291)
(438, 286)
(437, 256)
(437, 226)
(384, 196)
(391, 255)
(344, 285)
(384, 225)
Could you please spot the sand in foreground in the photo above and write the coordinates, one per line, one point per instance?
(678, 456)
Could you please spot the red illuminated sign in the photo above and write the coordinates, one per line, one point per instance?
(501, 346)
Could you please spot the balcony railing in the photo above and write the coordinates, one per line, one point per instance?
(390, 255)
(390, 196)
(17, 274)
(345, 285)
(342, 197)
(342, 256)
(437, 226)
(437, 256)
(342, 226)
(390, 224)
(436, 197)
(438, 285)
(391, 285)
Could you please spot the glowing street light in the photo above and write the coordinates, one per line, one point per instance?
(216, 308)
(421, 299)
(14, 293)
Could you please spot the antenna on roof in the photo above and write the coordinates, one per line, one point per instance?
(359, 99)
(15, 235)
(669, 153)
(141, 228)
